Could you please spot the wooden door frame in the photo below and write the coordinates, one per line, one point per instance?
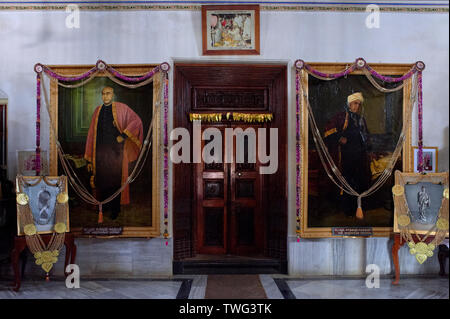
(188, 77)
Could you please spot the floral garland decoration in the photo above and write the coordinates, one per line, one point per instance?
(298, 123)
(165, 68)
(232, 116)
(119, 78)
(359, 64)
(46, 255)
(421, 250)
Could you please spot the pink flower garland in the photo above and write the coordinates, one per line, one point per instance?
(38, 125)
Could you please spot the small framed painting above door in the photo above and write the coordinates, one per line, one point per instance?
(230, 30)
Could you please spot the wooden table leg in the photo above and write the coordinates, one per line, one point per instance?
(71, 252)
(73, 255)
(395, 249)
(66, 262)
(19, 246)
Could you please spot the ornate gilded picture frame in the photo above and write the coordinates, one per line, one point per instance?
(41, 201)
(230, 29)
(320, 200)
(72, 110)
(421, 203)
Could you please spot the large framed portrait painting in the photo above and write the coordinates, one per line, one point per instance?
(102, 154)
(360, 127)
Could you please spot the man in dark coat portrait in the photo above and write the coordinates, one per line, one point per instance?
(347, 139)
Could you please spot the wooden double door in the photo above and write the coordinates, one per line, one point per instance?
(230, 218)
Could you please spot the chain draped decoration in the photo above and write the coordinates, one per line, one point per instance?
(335, 175)
(123, 80)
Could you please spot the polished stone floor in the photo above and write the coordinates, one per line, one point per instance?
(194, 287)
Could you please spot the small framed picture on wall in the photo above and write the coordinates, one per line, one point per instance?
(230, 29)
(430, 159)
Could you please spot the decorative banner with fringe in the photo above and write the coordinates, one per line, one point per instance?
(409, 220)
(232, 116)
(41, 200)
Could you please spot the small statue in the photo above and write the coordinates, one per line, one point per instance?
(423, 199)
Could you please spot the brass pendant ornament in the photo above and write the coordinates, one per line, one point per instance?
(398, 190)
(46, 259)
(404, 220)
(22, 199)
(60, 228)
(62, 198)
(421, 250)
(29, 229)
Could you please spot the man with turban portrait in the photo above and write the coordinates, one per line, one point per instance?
(347, 139)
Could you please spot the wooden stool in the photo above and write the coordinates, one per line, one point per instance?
(20, 244)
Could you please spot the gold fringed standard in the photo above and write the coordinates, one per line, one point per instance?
(46, 255)
(205, 117)
(232, 116)
(252, 117)
(420, 250)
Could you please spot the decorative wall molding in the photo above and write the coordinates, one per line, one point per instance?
(290, 6)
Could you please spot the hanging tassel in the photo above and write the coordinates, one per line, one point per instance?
(47, 278)
(100, 214)
(359, 211)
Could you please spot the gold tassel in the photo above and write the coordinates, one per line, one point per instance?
(100, 214)
(359, 211)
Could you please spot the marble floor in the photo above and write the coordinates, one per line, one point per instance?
(194, 287)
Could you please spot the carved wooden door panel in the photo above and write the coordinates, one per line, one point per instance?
(228, 205)
(246, 220)
(211, 192)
